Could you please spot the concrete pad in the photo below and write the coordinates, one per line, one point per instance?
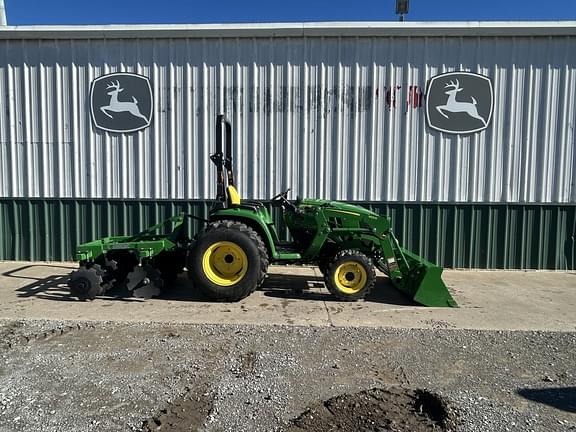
(505, 300)
(490, 300)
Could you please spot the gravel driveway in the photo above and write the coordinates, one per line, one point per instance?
(105, 376)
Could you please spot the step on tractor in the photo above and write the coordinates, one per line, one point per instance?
(229, 258)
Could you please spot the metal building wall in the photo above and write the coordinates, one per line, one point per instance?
(322, 115)
(457, 235)
(331, 111)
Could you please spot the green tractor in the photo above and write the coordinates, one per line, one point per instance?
(229, 258)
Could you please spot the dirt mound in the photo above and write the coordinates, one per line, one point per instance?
(379, 410)
(184, 414)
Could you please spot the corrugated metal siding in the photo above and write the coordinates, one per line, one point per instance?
(310, 113)
(464, 235)
(2, 13)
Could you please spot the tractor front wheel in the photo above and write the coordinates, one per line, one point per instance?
(228, 261)
(350, 275)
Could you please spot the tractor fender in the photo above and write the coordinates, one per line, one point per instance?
(254, 222)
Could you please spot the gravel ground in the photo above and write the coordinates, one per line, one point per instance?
(95, 376)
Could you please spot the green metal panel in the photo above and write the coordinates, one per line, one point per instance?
(453, 235)
(487, 236)
(49, 229)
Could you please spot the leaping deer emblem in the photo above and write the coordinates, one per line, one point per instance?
(116, 106)
(454, 106)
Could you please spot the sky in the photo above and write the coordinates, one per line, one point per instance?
(27, 12)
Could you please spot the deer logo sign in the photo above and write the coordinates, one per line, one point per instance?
(459, 102)
(121, 102)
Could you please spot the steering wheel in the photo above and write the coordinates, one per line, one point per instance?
(282, 197)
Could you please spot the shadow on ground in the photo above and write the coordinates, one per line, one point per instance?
(313, 288)
(55, 287)
(52, 287)
(562, 398)
(283, 286)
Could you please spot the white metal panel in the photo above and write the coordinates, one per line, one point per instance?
(2, 13)
(307, 29)
(327, 116)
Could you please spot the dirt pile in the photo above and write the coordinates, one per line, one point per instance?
(187, 413)
(393, 409)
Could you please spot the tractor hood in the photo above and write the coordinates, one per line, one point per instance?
(338, 205)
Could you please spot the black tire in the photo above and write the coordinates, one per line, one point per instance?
(230, 280)
(86, 282)
(350, 275)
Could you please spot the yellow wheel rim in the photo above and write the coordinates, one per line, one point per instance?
(225, 263)
(350, 277)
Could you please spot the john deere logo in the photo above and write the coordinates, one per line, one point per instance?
(121, 102)
(459, 102)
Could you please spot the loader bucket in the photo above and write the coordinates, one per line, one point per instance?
(423, 282)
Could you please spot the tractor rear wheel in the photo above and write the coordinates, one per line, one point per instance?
(228, 261)
(350, 275)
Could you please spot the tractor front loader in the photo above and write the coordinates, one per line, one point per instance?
(229, 258)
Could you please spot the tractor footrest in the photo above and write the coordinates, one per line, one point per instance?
(287, 247)
(287, 252)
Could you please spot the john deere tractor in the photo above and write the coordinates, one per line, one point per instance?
(229, 258)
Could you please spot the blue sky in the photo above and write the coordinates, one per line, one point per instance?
(20, 12)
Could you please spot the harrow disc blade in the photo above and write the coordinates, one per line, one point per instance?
(144, 282)
(86, 283)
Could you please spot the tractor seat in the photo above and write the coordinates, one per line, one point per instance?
(233, 196)
(235, 201)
